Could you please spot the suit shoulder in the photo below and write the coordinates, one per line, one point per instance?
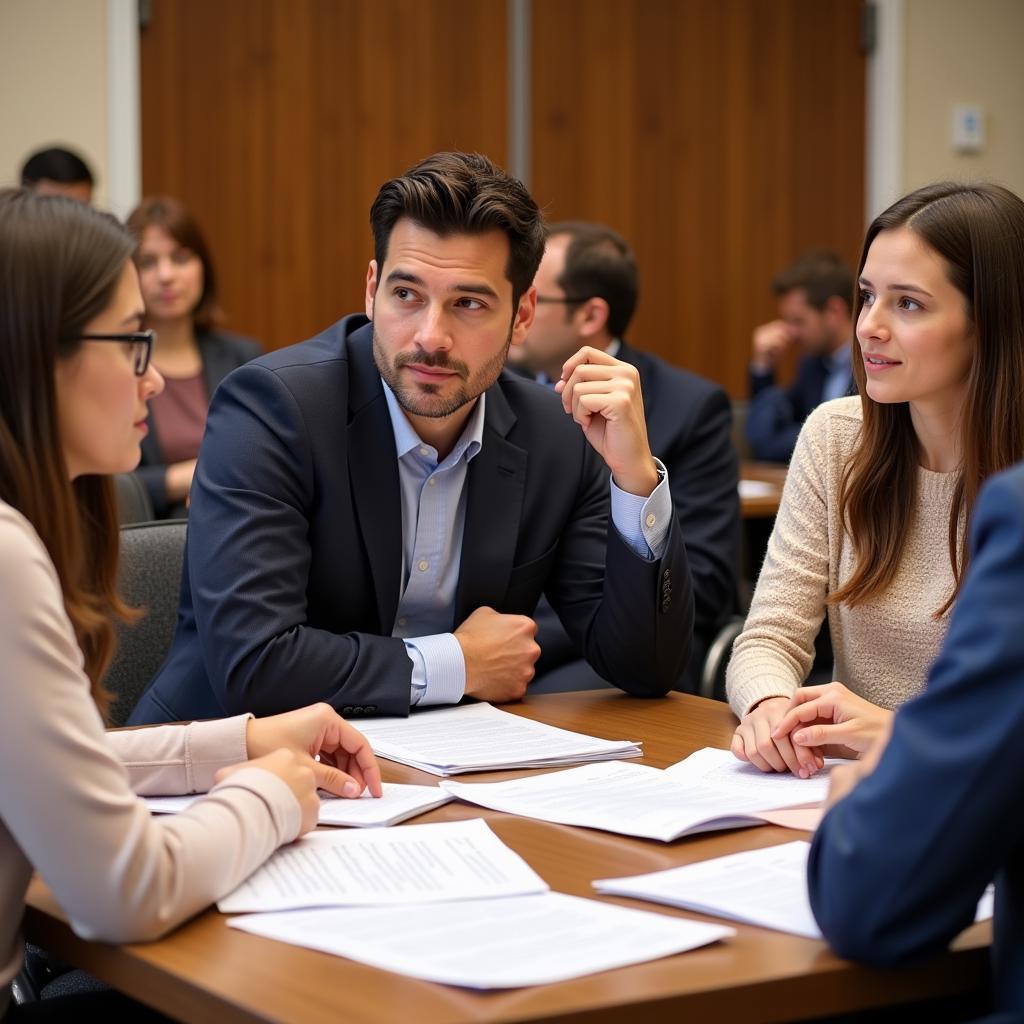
(684, 382)
(537, 408)
(329, 346)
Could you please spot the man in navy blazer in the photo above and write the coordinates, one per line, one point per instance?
(898, 865)
(377, 511)
(815, 297)
(587, 288)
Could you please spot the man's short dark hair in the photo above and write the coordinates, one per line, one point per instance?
(464, 193)
(55, 165)
(821, 275)
(599, 264)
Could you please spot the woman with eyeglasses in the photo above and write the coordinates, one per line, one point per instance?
(192, 354)
(74, 379)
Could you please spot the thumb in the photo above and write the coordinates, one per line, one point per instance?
(334, 780)
(222, 773)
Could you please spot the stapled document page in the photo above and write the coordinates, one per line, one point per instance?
(398, 803)
(764, 887)
(485, 944)
(456, 860)
(479, 737)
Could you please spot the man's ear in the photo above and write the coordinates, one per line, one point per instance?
(525, 312)
(591, 318)
(371, 287)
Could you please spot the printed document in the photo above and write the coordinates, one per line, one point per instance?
(398, 803)
(487, 944)
(763, 887)
(479, 737)
(456, 860)
(637, 800)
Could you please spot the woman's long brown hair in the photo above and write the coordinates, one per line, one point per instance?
(60, 262)
(978, 230)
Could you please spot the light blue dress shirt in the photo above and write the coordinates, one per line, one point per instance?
(837, 381)
(433, 520)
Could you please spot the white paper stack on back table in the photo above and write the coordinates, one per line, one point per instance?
(479, 737)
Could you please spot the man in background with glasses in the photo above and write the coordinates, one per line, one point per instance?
(586, 294)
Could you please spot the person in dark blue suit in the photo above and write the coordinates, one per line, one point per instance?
(815, 297)
(898, 865)
(377, 511)
(587, 292)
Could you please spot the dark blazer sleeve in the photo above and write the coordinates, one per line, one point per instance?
(775, 415)
(703, 474)
(249, 558)
(897, 867)
(632, 617)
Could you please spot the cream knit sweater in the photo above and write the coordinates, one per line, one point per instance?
(883, 649)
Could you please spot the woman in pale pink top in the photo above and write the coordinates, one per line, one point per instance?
(74, 379)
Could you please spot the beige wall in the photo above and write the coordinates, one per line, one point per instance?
(963, 51)
(53, 82)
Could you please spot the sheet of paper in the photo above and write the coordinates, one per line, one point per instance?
(804, 819)
(398, 803)
(757, 488)
(764, 887)
(720, 771)
(456, 860)
(479, 737)
(488, 944)
(631, 799)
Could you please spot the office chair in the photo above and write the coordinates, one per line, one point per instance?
(149, 579)
(133, 501)
(712, 676)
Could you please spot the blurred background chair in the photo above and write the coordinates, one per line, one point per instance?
(133, 504)
(149, 579)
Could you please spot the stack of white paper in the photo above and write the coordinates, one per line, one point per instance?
(479, 737)
(397, 803)
(457, 860)
(491, 943)
(763, 887)
(710, 790)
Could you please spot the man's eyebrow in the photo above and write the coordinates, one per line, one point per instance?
(900, 288)
(472, 288)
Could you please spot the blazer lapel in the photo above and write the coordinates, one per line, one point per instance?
(496, 482)
(373, 473)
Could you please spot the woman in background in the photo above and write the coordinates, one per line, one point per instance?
(74, 379)
(179, 289)
(881, 488)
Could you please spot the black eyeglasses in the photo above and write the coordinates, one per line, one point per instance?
(140, 341)
(569, 301)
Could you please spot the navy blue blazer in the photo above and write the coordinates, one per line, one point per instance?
(294, 551)
(221, 352)
(897, 868)
(775, 415)
(689, 427)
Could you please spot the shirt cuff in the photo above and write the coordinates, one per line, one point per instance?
(438, 669)
(210, 746)
(643, 523)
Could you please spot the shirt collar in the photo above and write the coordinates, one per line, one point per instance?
(407, 440)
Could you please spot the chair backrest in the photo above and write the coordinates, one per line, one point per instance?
(712, 680)
(133, 501)
(150, 580)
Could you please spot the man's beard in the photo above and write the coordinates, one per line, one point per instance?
(422, 399)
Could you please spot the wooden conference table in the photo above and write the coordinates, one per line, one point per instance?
(769, 478)
(205, 971)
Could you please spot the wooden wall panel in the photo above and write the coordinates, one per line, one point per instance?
(721, 137)
(277, 120)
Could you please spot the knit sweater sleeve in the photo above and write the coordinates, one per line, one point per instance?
(774, 653)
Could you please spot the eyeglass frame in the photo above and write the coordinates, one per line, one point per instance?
(135, 338)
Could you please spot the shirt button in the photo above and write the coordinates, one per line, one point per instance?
(424, 565)
(651, 519)
(431, 482)
(403, 621)
(424, 451)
